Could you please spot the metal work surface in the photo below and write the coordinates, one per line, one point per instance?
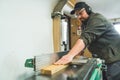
(75, 71)
(62, 75)
(71, 73)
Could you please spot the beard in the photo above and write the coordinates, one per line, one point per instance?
(82, 20)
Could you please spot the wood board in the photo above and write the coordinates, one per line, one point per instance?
(52, 69)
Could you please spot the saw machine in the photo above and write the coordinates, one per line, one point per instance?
(81, 68)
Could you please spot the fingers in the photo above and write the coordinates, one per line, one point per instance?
(58, 62)
(62, 61)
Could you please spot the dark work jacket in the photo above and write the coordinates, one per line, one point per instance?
(101, 38)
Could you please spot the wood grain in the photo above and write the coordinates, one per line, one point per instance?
(52, 69)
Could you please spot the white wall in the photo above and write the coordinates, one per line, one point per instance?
(109, 8)
(25, 31)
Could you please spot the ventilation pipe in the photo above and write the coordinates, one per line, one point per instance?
(58, 8)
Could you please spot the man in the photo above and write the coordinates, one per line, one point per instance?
(99, 36)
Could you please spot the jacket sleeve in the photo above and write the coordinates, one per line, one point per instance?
(93, 31)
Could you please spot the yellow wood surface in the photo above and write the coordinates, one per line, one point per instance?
(56, 33)
(73, 33)
(71, 2)
(52, 69)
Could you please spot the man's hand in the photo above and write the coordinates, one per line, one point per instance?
(77, 48)
(65, 59)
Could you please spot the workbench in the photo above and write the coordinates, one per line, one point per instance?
(91, 70)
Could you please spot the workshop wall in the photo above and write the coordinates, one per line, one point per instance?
(109, 8)
(25, 31)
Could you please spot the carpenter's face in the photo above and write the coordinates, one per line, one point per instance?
(81, 14)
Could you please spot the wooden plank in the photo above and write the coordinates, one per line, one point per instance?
(75, 23)
(52, 69)
(71, 2)
(56, 33)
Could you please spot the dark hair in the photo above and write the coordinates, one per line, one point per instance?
(80, 5)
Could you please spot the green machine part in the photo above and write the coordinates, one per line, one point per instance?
(97, 73)
(29, 63)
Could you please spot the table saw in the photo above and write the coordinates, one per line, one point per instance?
(79, 69)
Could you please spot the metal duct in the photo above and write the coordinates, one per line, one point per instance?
(58, 8)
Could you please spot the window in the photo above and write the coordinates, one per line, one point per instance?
(117, 27)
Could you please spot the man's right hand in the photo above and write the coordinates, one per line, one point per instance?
(65, 59)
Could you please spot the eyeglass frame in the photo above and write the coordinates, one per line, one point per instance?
(79, 12)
